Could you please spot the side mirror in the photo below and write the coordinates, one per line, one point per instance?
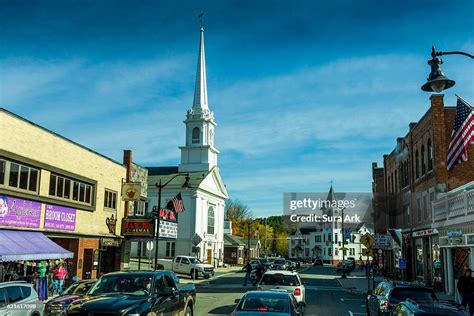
(166, 291)
(301, 304)
(237, 301)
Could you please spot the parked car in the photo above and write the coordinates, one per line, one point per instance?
(345, 265)
(77, 290)
(137, 293)
(275, 303)
(187, 265)
(410, 307)
(353, 262)
(265, 262)
(254, 263)
(19, 292)
(279, 264)
(290, 265)
(388, 294)
(285, 280)
(318, 262)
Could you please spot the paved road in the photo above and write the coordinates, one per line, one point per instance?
(324, 295)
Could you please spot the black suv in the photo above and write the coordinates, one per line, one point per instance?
(136, 293)
(436, 308)
(388, 294)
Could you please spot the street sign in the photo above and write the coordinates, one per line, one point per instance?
(149, 246)
(402, 263)
(382, 241)
(368, 252)
(347, 234)
(196, 239)
(367, 240)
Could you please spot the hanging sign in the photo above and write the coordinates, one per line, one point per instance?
(138, 227)
(131, 191)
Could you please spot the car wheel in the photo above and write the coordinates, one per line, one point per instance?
(188, 311)
(196, 274)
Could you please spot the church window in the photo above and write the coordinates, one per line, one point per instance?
(210, 220)
(196, 135)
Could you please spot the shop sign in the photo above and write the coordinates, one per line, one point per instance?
(110, 242)
(444, 241)
(134, 227)
(19, 213)
(455, 233)
(168, 230)
(131, 191)
(59, 218)
(426, 232)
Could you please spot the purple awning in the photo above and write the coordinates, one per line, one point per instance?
(26, 245)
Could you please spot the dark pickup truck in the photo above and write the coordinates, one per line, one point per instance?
(137, 293)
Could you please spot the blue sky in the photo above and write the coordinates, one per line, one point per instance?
(304, 92)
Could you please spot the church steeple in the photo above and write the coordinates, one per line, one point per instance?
(200, 88)
(199, 153)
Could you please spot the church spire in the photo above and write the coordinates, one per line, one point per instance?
(200, 88)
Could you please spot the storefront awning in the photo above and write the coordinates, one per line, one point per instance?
(25, 245)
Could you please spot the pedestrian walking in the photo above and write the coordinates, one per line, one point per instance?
(248, 270)
(466, 288)
(259, 272)
(58, 279)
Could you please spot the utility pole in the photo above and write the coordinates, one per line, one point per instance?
(265, 241)
(248, 241)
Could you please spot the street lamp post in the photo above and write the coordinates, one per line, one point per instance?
(437, 80)
(160, 186)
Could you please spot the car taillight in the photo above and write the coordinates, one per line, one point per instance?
(297, 292)
(388, 304)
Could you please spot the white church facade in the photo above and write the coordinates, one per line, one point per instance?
(205, 193)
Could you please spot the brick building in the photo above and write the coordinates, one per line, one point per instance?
(57, 190)
(415, 175)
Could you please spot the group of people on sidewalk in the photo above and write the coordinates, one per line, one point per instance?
(466, 289)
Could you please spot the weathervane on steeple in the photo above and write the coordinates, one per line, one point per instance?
(201, 18)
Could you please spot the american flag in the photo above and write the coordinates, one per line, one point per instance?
(462, 135)
(176, 204)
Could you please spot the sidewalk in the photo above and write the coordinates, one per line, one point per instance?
(357, 283)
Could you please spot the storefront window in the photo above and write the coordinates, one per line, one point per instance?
(419, 258)
(2, 171)
(436, 255)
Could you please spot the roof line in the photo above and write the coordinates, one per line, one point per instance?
(58, 135)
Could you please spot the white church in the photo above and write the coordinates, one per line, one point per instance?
(205, 195)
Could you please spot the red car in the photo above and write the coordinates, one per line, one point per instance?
(318, 262)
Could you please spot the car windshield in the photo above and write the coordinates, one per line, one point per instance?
(194, 260)
(279, 261)
(71, 289)
(401, 294)
(81, 288)
(120, 284)
(279, 279)
(269, 304)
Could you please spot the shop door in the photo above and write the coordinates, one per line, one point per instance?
(209, 256)
(87, 265)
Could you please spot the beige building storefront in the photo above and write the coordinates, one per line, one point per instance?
(68, 192)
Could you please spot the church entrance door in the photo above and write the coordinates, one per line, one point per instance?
(209, 256)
